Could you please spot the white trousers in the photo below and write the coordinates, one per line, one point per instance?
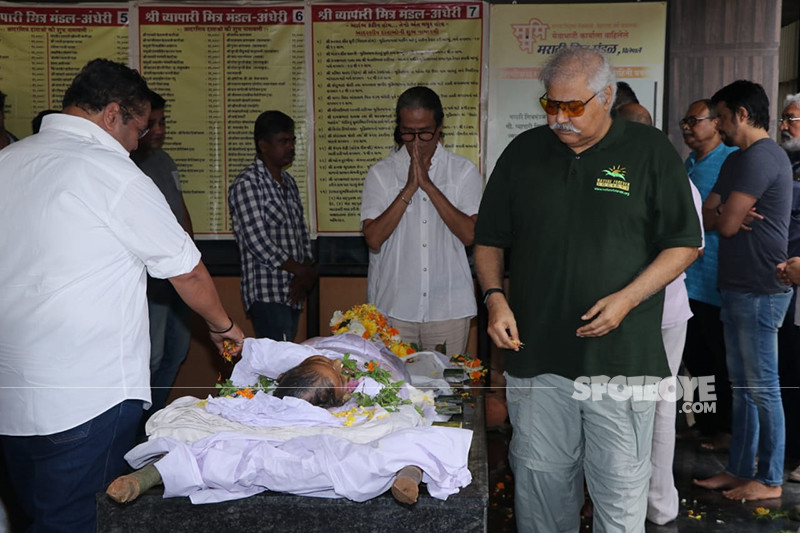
(427, 335)
(662, 499)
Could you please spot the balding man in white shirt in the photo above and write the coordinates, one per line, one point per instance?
(82, 227)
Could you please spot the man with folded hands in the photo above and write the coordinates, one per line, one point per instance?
(418, 212)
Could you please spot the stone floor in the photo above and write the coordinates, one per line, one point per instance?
(701, 510)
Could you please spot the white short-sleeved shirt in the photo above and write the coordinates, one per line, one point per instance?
(80, 224)
(421, 273)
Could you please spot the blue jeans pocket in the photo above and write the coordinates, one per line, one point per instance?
(71, 435)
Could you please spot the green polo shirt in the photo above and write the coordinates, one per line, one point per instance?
(580, 227)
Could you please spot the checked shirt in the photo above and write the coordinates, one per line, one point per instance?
(269, 228)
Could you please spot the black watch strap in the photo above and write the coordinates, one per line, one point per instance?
(489, 292)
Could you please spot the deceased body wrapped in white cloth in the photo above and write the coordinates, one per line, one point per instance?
(225, 448)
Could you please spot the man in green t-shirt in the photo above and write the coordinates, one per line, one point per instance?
(598, 216)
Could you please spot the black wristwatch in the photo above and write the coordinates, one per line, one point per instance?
(489, 292)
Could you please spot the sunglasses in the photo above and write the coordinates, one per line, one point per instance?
(571, 108)
(691, 121)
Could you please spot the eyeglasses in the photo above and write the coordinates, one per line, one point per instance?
(571, 108)
(691, 121)
(788, 119)
(424, 136)
(127, 115)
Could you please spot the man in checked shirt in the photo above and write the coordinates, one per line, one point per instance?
(268, 223)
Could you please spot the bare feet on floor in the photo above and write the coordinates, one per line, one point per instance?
(753, 490)
(723, 480)
(405, 488)
(124, 489)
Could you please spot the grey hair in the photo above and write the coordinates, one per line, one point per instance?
(791, 99)
(577, 62)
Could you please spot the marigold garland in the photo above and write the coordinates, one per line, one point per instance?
(367, 322)
(227, 388)
(472, 366)
(388, 397)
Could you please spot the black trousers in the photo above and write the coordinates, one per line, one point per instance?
(789, 375)
(704, 355)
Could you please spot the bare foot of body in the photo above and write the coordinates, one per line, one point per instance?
(753, 490)
(723, 480)
(405, 488)
(124, 489)
(127, 488)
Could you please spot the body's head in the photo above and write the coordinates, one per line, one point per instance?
(635, 113)
(790, 123)
(580, 87)
(156, 125)
(275, 140)
(317, 380)
(114, 97)
(742, 108)
(36, 123)
(418, 120)
(699, 127)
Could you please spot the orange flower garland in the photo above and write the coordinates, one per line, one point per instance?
(367, 322)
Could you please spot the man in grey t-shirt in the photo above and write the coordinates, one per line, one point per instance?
(750, 207)
(169, 315)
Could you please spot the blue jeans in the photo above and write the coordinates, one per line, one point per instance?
(170, 336)
(274, 321)
(55, 477)
(751, 323)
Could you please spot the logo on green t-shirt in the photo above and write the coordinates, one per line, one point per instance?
(616, 171)
(614, 180)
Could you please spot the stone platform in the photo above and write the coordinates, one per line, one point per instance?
(286, 513)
